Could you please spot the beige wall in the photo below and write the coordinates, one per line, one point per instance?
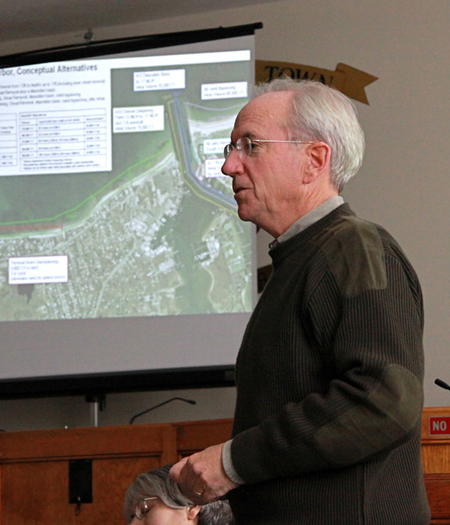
(404, 183)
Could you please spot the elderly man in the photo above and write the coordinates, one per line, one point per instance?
(329, 374)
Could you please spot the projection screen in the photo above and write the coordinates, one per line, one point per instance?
(123, 263)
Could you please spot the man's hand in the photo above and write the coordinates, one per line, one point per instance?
(202, 477)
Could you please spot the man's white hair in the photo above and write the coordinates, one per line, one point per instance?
(321, 113)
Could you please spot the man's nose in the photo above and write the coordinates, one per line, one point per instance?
(232, 165)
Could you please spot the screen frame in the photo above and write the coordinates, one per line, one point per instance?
(97, 385)
(100, 384)
(124, 45)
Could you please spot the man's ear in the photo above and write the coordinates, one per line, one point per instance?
(193, 512)
(319, 161)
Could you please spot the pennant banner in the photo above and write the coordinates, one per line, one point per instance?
(346, 79)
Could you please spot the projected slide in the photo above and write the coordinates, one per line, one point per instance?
(112, 202)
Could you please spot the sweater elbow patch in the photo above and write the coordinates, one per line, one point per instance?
(355, 256)
(388, 414)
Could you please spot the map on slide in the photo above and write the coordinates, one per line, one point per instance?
(112, 200)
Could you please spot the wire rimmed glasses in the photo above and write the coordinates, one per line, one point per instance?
(245, 145)
(143, 508)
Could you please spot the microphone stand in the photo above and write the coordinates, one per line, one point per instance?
(190, 401)
(96, 402)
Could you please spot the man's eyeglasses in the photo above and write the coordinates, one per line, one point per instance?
(245, 145)
(143, 508)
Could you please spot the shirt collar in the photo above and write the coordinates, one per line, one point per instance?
(309, 219)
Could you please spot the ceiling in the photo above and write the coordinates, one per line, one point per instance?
(23, 19)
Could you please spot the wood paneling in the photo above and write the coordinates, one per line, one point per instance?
(88, 442)
(196, 436)
(34, 467)
(436, 467)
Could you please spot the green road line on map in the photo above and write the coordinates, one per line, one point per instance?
(82, 203)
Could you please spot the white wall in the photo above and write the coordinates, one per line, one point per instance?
(403, 185)
(216, 403)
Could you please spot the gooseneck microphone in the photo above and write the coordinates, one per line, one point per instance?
(442, 384)
(192, 402)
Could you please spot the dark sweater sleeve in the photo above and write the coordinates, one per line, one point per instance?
(363, 312)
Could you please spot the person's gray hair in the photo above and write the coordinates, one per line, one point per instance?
(156, 482)
(321, 113)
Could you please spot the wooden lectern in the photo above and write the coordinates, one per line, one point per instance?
(34, 467)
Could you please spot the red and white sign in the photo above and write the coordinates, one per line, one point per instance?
(439, 426)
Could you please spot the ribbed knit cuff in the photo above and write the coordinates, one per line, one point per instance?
(228, 466)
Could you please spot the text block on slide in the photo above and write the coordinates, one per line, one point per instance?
(159, 80)
(38, 270)
(132, 120)
(224, 90)
(439, 426)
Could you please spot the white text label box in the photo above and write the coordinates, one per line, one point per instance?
(213, 168)
(224, 90)
(213, 146)
(38, 270)
(132, 120)
(159, 80)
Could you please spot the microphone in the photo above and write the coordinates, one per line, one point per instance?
(442, 384)
(192, 402)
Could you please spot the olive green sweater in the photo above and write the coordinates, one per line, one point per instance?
(329, 384)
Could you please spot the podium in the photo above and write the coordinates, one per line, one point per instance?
(35, 465)
(436, 462)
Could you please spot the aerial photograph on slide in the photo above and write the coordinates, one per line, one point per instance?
(112, 200)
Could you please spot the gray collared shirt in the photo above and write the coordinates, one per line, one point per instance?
(310, 218)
